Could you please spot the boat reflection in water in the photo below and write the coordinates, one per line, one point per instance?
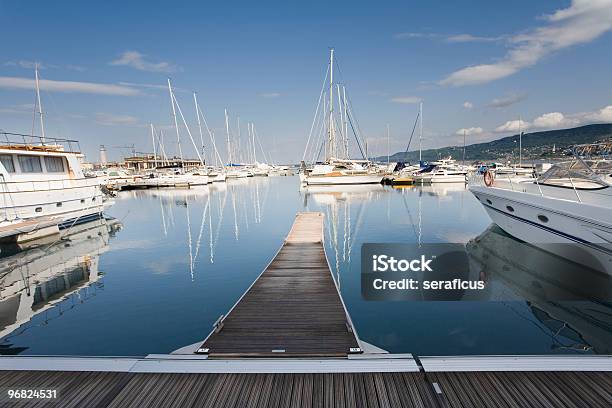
(572, 300)
(341, 225)
(61, 274)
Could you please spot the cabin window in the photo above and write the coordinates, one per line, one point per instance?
(54, 164)
(7, 162)
(30, 164)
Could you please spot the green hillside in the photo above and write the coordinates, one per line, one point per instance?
(536, 145)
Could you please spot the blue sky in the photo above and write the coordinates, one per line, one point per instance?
(477, 65)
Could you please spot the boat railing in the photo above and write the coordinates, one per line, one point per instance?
(20, 140)
(514, 184)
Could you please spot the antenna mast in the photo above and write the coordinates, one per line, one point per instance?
(40, 111)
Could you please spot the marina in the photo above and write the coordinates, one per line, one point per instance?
(177, 245)
(306, 205)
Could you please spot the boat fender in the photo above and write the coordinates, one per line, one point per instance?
(488, 178)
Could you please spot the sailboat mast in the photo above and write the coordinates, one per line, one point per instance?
(420, 132)
(40, 111)
(229, 146)
(253, 142)
(153, 141)
(520, 143)
(332, 135)
(463, 161)
(388, 136)
(178, 136)
(345, 121)
(195, 101)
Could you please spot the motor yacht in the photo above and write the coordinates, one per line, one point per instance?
(568, 204)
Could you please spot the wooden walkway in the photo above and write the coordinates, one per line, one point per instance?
(292, 309)
(475, 389)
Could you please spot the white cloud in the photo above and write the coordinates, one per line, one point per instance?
(506, 101)
(110, 119)
(464, 38)
(468, 105)
(452, 38)
(406, 99)
(28, 64)
(470, 131)
(554, 120)
(602, 115)
(401, 36)
(135, 59)
(513, 126)
(18, 109)
(580, 23)
(271, 95)
(67, 86)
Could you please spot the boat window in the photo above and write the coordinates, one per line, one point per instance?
(578, 173)
(7, 162)
(29, 164)
(54, 164)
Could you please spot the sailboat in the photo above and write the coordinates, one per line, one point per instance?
(335, 170)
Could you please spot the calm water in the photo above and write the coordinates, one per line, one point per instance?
(180, 258)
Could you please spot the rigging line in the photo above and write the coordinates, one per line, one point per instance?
(350, 112)
(212, 139)
(188, 130)
(320, 135)
(412, 134)
(316, 112)
(355, 134)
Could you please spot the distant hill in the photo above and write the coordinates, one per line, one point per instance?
(536, 145)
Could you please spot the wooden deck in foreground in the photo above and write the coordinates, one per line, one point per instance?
(292, 309)
(475, 389)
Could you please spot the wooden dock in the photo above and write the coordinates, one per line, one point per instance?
(292, 309)
(385, 390)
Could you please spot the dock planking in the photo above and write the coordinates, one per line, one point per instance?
(456, 389)
(292, 309)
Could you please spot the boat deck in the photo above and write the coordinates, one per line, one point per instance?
(292, 309)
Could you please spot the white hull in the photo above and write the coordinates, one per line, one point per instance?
(218, 178)
(460, 178)
(342, 180)
(66, 199)
(547, 222)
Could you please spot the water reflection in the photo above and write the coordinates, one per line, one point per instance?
(183, 257)
(570, 299)
(51, 278)
(567, 302)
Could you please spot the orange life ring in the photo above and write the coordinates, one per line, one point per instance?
(488, 178)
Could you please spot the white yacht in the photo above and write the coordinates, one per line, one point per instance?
(569, 204)
(46, 179)
(441, 171)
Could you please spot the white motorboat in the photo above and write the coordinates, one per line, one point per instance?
(441, 171)
(46, 179)
(569, 204)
